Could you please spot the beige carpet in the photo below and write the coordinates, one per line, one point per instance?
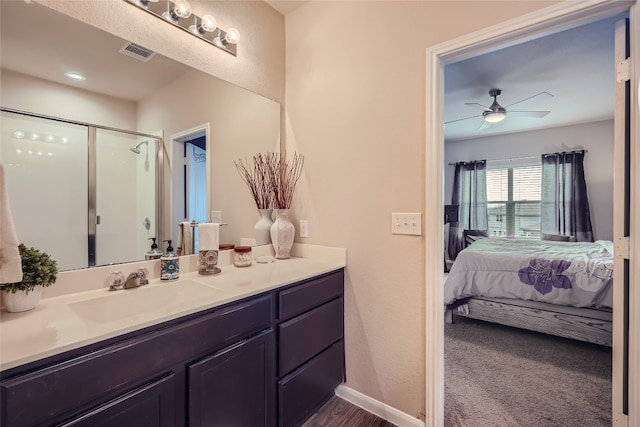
(497, 376)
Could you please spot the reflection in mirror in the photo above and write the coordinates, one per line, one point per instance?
(72, 204)
(153, 96)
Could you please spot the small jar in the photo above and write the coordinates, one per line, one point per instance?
(242, 256)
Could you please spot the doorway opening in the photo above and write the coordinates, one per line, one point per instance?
(190, 178)
(547, 21)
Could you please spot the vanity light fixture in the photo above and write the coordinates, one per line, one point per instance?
(178, 13)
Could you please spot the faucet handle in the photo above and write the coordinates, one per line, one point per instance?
(142, 274)
(116, 280)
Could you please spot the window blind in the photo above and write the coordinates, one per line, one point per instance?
(513, 200)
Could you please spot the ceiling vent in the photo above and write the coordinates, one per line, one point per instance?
(136, 51)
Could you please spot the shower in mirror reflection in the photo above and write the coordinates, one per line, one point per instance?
(136, 149)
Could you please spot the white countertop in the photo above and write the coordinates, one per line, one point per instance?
(73, 320)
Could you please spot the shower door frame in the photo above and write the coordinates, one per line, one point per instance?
(92, 216)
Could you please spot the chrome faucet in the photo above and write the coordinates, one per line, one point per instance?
(134, 280)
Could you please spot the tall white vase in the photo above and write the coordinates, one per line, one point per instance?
(282, 234)
(262, 229)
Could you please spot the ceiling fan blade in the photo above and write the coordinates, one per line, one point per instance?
(476, 105)
(459, 120)
(536, 114)
(537, 97)
(485, 125)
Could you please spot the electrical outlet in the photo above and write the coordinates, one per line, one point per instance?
(406, 223)
(304, 228)
(216, 217)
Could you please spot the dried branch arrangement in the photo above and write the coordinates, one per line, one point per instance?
(284, 178)
(271, 179)
(256, 174)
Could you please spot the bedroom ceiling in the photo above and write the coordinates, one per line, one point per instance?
(576, 66)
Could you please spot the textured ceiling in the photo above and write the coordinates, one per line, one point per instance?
(576, 66)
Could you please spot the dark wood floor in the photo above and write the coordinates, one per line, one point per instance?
(338, 413)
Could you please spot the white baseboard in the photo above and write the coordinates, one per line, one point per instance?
(379, 409)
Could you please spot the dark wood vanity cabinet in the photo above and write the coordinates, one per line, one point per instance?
(234, 387)
(267, 360)
(310, 346)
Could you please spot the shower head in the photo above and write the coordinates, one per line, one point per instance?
(136, 148)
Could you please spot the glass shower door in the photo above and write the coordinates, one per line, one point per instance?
(46, 172)
(125, 204)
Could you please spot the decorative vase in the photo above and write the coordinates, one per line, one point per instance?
(15, 302)
(262, 229)
(282, 234)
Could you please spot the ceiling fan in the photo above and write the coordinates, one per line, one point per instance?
(497, 113)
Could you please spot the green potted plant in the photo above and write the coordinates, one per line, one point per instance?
(38, 270)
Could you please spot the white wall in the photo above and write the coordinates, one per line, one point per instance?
(595, 137)
(241, 125)
(355, 101)
(27, 93)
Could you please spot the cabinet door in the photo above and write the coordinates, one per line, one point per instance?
(236, 386)
(306, 389)
(152, 405)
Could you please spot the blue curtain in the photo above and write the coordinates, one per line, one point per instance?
(565, 206)
(470, 194)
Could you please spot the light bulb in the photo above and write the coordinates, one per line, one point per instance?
(207, 25)
(494, 117)
(182, 8)
(233, 36)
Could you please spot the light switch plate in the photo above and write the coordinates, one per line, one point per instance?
(406, 223)
(304, 228)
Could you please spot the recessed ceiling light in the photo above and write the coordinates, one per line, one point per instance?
(18, 134)
(75, 75)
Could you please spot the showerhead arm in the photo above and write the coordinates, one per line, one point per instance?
(136, 148)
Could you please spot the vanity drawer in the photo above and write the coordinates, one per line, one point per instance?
(303, 297)
(58, 391)
(302, 392)
(306, 335)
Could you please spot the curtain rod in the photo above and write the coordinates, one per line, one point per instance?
(537, 156)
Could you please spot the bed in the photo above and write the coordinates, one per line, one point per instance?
(559, 288)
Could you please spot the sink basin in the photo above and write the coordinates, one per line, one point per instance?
(145, 303)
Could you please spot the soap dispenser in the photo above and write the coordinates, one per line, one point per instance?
(154, 252)
(169, 264)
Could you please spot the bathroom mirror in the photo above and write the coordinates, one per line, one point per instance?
(194, 114)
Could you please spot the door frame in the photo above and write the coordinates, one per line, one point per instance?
(546, 21)
(176, 140)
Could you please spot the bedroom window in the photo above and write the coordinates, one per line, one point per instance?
(513, 200)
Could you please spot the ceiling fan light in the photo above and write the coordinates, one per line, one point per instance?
(494, 116)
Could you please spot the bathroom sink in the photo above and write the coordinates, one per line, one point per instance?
(146, 302)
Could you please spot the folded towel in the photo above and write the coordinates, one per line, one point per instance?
(209, 236)
(10, 262)
(185, 238)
